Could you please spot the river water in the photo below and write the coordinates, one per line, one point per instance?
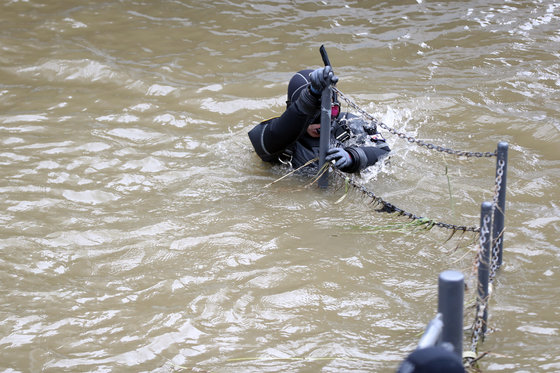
(140, 232)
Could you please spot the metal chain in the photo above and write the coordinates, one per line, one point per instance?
(390, 208)
(477, 328)
(499, 175)
(411, 139)
(484, 232)
(496, 244)
(495, 258)
(481, 303)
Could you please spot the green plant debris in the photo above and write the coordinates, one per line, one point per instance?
(422, 224)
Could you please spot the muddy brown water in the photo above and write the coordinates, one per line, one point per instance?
(138, 231)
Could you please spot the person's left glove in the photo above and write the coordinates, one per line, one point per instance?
(342, 158)
(322, 78)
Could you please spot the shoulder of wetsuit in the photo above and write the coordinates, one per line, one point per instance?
(268, 120)
(256, 137)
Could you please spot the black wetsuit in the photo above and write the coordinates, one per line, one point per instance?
(285, 138)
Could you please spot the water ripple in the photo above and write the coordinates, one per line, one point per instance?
(140, 231)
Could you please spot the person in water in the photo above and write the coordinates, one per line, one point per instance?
(293, 137)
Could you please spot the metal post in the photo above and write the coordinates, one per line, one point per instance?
(432, 335)
(451, 291)
(484, 263)
(500, 208)
(325, 135)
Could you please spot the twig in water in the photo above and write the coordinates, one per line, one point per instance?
(291, 172)
(346, 188)
(324, 168)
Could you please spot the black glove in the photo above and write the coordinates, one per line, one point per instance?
(342, 157)
(322, 78)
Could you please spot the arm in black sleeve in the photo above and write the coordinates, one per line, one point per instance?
(366, 156)
(273, 136)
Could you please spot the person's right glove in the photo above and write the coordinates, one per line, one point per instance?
(342, 158)
(322, 78)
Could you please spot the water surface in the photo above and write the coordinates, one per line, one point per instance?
(139, 231)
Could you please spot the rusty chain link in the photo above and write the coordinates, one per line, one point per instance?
(411, 139)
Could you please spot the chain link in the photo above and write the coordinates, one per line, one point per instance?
(390, 208)
(411, 139)
(477, 328)
(481, 303)
(495, 258)
(484, 233)
(497, 243)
